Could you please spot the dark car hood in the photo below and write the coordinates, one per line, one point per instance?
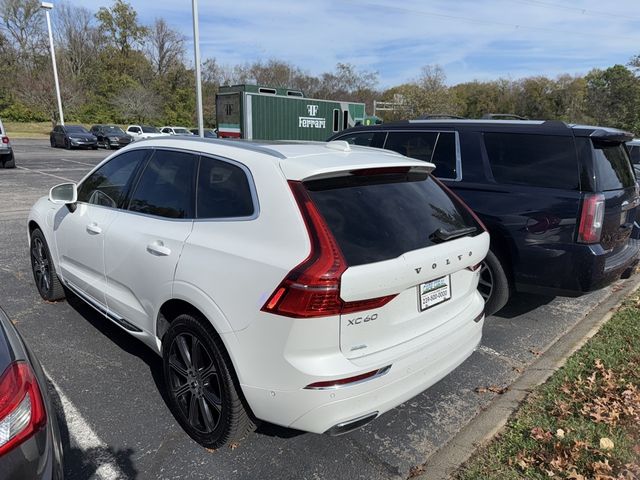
(83, 136)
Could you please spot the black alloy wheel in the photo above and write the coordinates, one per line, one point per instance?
(485, 284)
(204, 395)
(194, 382)
(52, 141)
(44, 272)
(67, 144)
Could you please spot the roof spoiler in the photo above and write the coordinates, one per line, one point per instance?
(611, 135)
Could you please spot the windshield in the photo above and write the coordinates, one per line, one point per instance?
(76, 129)
(148, 129)
(113, 129)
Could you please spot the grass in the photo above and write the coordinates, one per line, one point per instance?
(27, 129)
(584, 422)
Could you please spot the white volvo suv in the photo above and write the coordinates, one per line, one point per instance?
(314, 286)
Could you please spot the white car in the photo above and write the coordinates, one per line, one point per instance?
(177, 131)
(144, 131)
(314, 286)
(7, 159)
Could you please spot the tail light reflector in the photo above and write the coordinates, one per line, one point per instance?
(341, 382)
(312, 289)
(22, 411)
(591, 218)
(5, 139)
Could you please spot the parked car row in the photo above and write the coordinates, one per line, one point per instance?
(558, 200)
(112, 136)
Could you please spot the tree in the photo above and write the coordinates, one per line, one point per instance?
(78, 39)
(23, 21)
(613, 97)
(120, 26)
(137, 104)
(429, 94)
(165, 47)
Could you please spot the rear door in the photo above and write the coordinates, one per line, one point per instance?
(615, 179)
(401, 234)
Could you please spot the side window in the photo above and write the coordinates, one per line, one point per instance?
(634, 152)
(444, 156)
(538, 160)
(417, 144)
(360, 138)
(223, 190)
(108, 185)
(134, 129)
(166, 185)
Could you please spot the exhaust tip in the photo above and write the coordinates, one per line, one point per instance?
(350, 425)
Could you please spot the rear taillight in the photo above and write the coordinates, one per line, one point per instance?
(312, 289)
(22, 411)
(5, 139)
(591, 218)
(474, 268)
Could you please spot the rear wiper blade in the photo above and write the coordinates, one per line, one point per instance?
(441, 235)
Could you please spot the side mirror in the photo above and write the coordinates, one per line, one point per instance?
(64, 194)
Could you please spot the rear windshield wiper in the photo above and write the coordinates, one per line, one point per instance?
(441, 235)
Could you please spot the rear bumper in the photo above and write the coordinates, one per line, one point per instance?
(413, 369)
(575, 269)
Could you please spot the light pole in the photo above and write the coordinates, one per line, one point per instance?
(196, 51)
(46, 6)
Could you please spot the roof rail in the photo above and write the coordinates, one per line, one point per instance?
(503, 116)
(439, 116)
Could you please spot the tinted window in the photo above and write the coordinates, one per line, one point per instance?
(436, 147)
(361, 138)
(537, 160)
(165, 187)
(613, 168)
(634, 153)
(379, 217)
(76, 129)
(223, 190)
(108, 185)
(148, 129)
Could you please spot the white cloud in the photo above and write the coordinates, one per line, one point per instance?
(470, 39)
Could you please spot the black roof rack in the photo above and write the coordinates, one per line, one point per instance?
(503, 116)
(439, 116)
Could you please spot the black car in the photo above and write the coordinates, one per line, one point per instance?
(30, 444)
(72, 136)
(208, 132)
(559, 200)
(111, 136)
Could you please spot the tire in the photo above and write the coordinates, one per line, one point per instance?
(94, 147)
(494, 284)
(52, 142)
(11, 163)
(203, 394)
(44, 271)
(67, 144)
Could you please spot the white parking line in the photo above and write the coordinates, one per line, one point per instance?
(44, 173)
(75, 161)
(94, 449)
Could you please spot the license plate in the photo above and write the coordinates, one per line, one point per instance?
(434, 292)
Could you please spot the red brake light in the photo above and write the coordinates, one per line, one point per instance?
(5, 139)
(22, 411)
(591, 218)
(312, 289)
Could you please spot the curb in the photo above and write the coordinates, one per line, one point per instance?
(491, 421)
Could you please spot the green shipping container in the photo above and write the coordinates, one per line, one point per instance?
(265, 113)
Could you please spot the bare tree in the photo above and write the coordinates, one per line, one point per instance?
(77, 37)
(164, 46)
(137, 103)
(24, 24)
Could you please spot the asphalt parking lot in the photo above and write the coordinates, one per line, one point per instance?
(109, 386)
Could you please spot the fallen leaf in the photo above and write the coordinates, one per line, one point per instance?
(606, 443)
(560, 433)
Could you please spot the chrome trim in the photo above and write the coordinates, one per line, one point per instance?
(350, 425)
(382, 371)
(102, 309)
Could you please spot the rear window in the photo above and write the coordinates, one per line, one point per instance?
(612, 166)
(382, 216)
(537, 160)
(634, 152)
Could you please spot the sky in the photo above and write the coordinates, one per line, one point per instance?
(471, 40)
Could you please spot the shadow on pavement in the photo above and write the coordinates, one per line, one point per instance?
(523, 303)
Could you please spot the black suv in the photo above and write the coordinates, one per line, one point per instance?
(559, 200)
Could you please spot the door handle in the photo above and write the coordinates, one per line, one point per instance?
(94, 229)
(157, 248)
